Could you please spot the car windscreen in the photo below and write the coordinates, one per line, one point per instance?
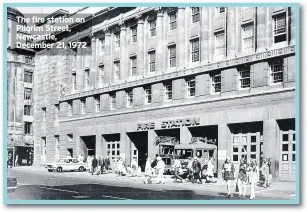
(184, 153)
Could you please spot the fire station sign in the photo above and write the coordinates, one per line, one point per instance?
(170, 124)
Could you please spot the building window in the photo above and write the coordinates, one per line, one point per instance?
(83, 106)
(133, 34)
(221, 9)
(28, 76)
(244, 77)
(220, 47)
(173, 20)
(172, 55)
(147, 94)
(216, 82)
(195, 50)
(44, 114)
(74, 81)
(27, 110)
(116, 70)
(276, 71)
(28, 93)
(101, 74)
(87, 78)
(152, 61)
(44, 145)
(97, 103)
(248, 36)
(70, 137)
(129, 98)
(70, 108)
(27, 128)
(29, 59)
(168, 89)
(57, 109)
(152, 25)
(102, 44)
(57, 146)
(280, 32)
(195, 14)
(113, 149)
(112, 101)
(117, 40)
(133, 64)
(190, 87)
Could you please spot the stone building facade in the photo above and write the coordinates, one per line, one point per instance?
(20, 69)
(226, 74)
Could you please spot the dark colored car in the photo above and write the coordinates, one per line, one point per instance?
(11, 184)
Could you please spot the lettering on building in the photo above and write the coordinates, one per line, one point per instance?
(145, 126)
(180, 123)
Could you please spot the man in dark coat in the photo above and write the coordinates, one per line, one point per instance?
(196, 166)
(94, 165)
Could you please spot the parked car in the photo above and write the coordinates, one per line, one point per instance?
(11, 184)
(66, 164)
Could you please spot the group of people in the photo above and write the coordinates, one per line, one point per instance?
(11, 162)
(132, 170)
(96, 166)
(249, 173)
(154, 169)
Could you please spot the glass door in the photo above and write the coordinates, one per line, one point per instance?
(287, 157)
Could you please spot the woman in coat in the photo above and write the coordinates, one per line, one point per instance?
(228, 174)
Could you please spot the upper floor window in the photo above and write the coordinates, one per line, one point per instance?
(220, 46)
(173, 20)
(87, 77)
(280, 32)
(44, 114)
(112, 101)
(168, 91)
(216, 82)
(57, 109)
(134, 34)
(101, 74)
(57, 145)
(27, 110)
(129, 98)
(28, 128)
(248, 36)
(69, 108)
(276, 70)
(74, 81)
(29, 59)
(195, 50)
(28, 94)
(83, 106)
(75, 55)
(147, 94)
(133, 64)
(172, 55)
(117, 40)
(116, 70)
(244, 77)
(152, 25)
(97, 103)
(102, 44)
(190, 87)
(195, 14)
(28, 76)
(152, 61)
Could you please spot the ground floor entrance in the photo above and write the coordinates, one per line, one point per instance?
(139, 148)
(87, 146)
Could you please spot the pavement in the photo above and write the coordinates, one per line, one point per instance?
(35, 183)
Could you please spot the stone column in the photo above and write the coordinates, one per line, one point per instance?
(223, 145)
(204, 36)
(79, 70)
(271, 145)
(123, 52)
(231, 32)
(292, 25)
(152, 149)
(140, 47)
(93, 72)
(159, 41)
(107, 58)
(125, 147)
(180, 45)
(269, 26)
(261, 29)
(211, 34)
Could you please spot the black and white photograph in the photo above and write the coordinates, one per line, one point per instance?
(136, 103)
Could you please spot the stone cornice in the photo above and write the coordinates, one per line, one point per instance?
(186, 72)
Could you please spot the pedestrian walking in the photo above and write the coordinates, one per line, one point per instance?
(154, 164)
(148, 171)
(190, 176)
(94, 165)
(16, 160)
(120, 167)
(254, 177)
(89, 163)
(270, 171)
(134, 167)
(160, 169)
(228, 174)
(265, 173)
(139, 173)
(177, 167)
(242, 177)
(107, 164)
(101, 163)
(196, 166)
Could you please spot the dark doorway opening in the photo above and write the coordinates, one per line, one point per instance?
(139, 148)
(88, 145)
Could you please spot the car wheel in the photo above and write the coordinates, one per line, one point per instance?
(50, 170)
(81, 169)
(59, 169)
